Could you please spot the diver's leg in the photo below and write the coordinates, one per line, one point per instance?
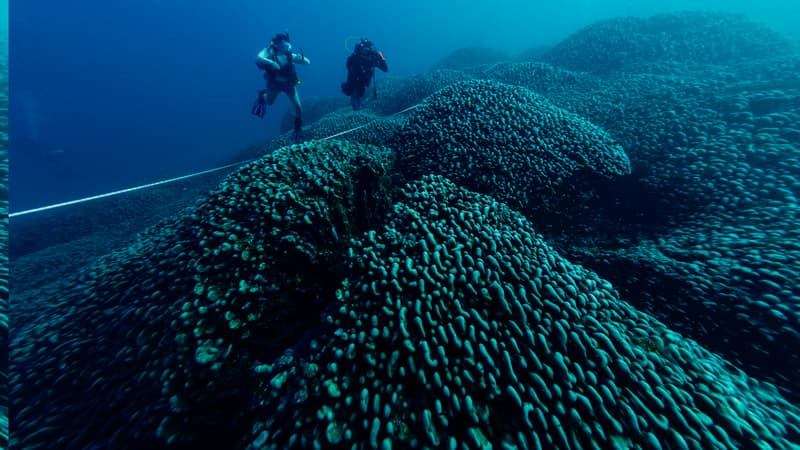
(294, 96)
(270, 97)
(361, 94)
(355, 100)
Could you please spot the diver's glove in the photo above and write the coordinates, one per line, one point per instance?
(260, 105)
(297, 134)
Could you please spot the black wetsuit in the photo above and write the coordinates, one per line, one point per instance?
(360, 68)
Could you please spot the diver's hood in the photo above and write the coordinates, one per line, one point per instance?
(365, 47)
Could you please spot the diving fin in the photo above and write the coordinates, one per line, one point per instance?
(260, 105)
(297, 134)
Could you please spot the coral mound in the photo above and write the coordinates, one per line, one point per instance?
(458, 327)
(153, 343)
(505, 141)
(691, 37)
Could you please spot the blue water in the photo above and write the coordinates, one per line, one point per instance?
(105, 95)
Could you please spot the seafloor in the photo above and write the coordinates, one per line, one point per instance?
(588, 246)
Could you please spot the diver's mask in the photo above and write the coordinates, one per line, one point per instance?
(280, 43)
(283, 47)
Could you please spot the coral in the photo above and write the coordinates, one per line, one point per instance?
(459, 327)
(152, 344)
(306, 301)
(541, 78)
(505, 141)
(691, 37)
(710, 209)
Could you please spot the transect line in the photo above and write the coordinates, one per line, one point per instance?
(123, 191)
(158, 183)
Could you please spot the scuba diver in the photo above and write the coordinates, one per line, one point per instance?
(278, 62)
(360, 71)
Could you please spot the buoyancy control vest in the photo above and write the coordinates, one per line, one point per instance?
(284, 78)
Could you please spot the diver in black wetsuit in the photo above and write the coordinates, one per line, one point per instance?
(361, 69)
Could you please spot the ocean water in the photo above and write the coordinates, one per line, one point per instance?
(113, 95)
(553, 226)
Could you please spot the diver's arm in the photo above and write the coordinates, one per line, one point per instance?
(380, 62)
(300, 59)
(264, 62)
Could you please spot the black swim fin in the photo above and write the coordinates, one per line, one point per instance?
(260, 105)
(297, 133)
